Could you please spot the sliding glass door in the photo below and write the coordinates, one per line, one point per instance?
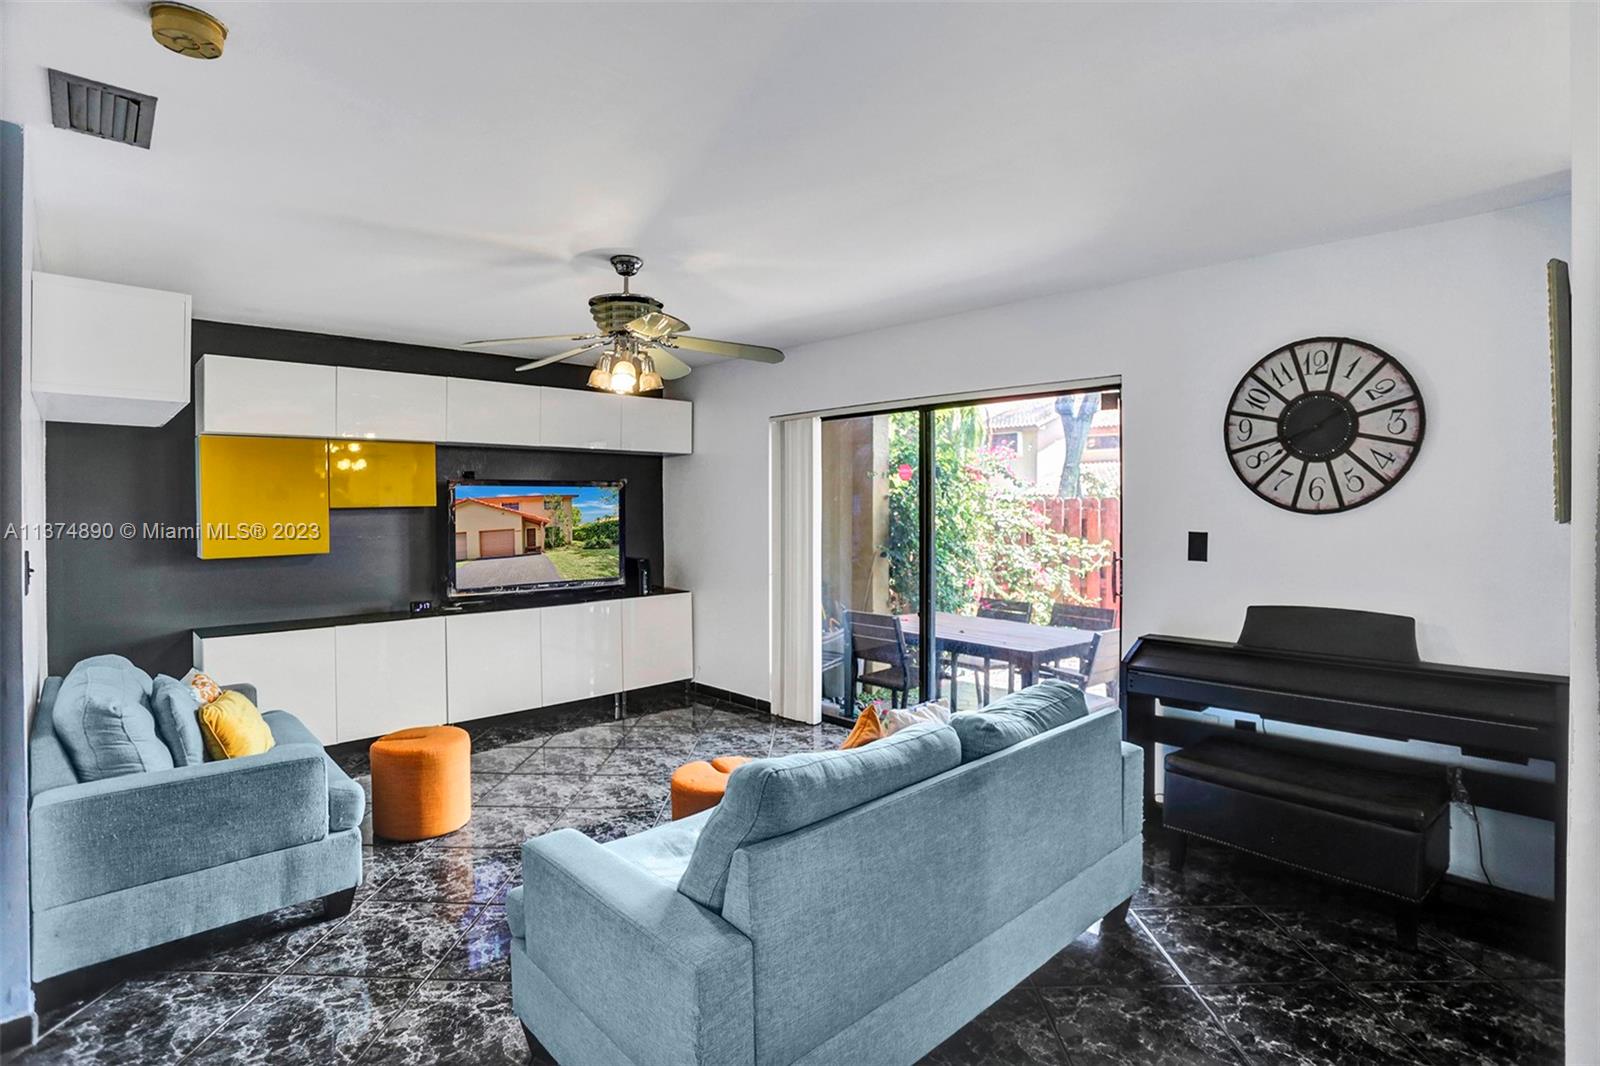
(1026, 543)
(871, 581)
(993, 528)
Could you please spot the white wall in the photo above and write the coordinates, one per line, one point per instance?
(1583, 797)
(1466, 543)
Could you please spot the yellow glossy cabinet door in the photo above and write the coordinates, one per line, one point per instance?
(375, 473)
(261, 496)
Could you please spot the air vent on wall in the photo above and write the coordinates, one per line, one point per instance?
(101, 110)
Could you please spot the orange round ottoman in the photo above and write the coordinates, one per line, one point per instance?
(698, 786)
(421, 782)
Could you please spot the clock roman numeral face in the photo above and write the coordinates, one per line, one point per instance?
(1323, 425)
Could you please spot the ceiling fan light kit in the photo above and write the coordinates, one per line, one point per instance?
(636, 337)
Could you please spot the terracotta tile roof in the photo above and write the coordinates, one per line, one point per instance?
(537, 519)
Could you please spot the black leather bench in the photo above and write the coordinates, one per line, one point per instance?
(1370, 820)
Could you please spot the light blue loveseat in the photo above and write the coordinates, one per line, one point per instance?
(124, 863)
(863, 921)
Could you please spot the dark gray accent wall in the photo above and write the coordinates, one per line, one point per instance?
(141, 597)
(16, 997)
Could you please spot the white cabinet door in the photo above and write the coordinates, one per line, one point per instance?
(650, 425)
(580, 418)
(263, 397)
(657, 640)
(492, 412)
(582, 650)
(390, 675)
(292, 671)
(110, 354)
(493, 663)
(383, 405)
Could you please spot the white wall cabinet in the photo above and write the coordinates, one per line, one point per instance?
(657, 640)
(109, 354)
(264, 397)
(389, 675)
(656, 425)
(269, 397)
(494, 663)
(573, 418)
(582, 648)
(354, 682)
(292, 671)
(384, 405)
(493, 412)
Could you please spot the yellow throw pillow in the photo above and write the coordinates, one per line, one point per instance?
(232, 727)
(867, 729)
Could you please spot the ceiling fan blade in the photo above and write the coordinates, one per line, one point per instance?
(657, 324)
(525, 340)
(668, 365)
(568, 354)
(760, 353)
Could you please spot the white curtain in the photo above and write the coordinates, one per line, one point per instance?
(795, 570)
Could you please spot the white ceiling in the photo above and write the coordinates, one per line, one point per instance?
(434, 172)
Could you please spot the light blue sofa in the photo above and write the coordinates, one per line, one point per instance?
(863, 919)
(124, 863)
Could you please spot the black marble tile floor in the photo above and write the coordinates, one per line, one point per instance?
(1232, 962)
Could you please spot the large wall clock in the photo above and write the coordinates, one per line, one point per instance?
(1324, 425)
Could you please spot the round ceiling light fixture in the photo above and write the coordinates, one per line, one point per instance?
(187, 30)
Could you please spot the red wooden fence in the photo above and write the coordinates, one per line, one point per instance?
(1095, 520)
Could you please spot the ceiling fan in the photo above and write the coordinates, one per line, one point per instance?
(636, 338)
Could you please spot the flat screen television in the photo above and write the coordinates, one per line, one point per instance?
(531, 536)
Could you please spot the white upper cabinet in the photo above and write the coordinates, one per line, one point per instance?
(110, 354)
(493, 412)
(268, 397)
(657, 639)
(263, 397)
(650, 425)
(384, 405)
(580, 418)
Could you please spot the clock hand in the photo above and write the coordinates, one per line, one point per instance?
(1295, 438)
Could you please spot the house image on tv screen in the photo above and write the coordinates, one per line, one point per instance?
(512, 536)
(495, 527)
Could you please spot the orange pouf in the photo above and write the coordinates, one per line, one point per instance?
(698, 786)
(421, 782)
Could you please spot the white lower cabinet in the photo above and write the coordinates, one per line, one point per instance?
(494, 663)
(581, 644)
(657, 640)
(292, 671)
(359, 681)
(389, 675)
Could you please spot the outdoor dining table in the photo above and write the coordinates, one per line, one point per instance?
(1023, 645)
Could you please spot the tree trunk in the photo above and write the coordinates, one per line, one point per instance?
(1077, 411)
